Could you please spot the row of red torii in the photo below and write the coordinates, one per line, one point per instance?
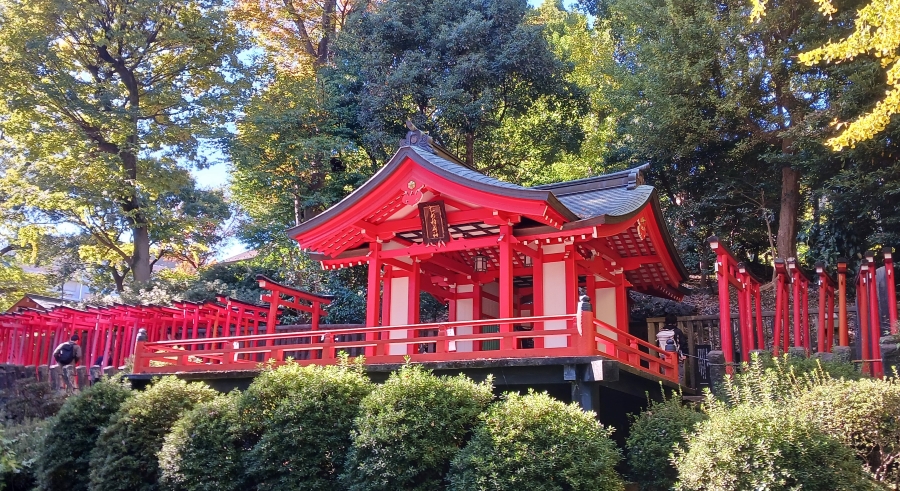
(109, 335)
(792, 327)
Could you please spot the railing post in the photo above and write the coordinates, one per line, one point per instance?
(586, 342)
(891, 289)
(843, 331)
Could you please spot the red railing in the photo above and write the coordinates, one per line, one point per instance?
(626, 348)
(388, 344)
(434, 342)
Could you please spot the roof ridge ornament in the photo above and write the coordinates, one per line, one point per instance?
(416, 138)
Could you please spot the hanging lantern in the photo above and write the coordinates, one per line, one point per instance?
(481, 263)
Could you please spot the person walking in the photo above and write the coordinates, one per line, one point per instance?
(67, 355)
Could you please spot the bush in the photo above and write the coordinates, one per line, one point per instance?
(308, 413)
(653, 437)
(202, 452)
(21, 445)
(865, 416)
(124, 457)
(63, 461)
(765, 446)
(410, 428)
(537, 443)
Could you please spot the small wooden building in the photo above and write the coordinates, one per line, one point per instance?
(494, 250)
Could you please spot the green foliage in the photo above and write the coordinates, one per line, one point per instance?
(21, 444)
(64, 458)
(765, 446)
(103, 103)
(537, 443)
(299, 420)
(410, 428)
(125, 456)
(15, 283)
(456, 68)
(202, 451)
(652, 439)
(865, 416)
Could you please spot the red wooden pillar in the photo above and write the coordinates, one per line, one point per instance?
(744, 314)
(415, 280)
(778, 328)
(891, 288)
(807, 329)
(874, 315)
(724, 301)
(862, 312)
(537, 293)
(844, 331)
(373, 292)
(830, 321)
(760, 332)
(506, 286)
(821, 336)
(797, 300)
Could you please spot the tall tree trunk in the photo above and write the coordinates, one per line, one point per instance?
(786, 243)
(470, 150)
(140, 259)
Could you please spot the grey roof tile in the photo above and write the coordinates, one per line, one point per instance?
(461, 170)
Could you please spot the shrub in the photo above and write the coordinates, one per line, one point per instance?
(653, 437)
(864, 415)
(410, 428)
(765, 446)
(63, 461)
(308, 413)
(124, 457)
(202, 452)
(22, 442)
(537, 443)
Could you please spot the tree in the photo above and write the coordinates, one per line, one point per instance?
(103, 104)
(290, 160)
(875, 34)
(711, 99)
(289, 28)
(455, 68)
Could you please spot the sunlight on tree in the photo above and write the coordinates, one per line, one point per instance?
(877, 32)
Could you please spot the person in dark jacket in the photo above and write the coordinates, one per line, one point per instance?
(67, 355)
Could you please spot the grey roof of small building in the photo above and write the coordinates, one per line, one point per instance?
(615, 195)
(460, 169)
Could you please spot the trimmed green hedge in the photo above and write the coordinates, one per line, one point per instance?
(537, 443)
(63, 460)
(652, 439)
(124, 458)
(202, 452)
(410, 428)
(299, 421)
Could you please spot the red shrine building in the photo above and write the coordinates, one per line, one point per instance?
(493, 250)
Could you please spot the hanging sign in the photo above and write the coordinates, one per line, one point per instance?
(434, 223)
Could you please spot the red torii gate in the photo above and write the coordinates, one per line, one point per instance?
(108, 335)
(732, 272)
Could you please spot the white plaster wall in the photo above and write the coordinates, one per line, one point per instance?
(464, 313)
(605, 311)
(399, 309)
(555, 296)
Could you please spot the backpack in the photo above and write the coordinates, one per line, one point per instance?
(66, 354)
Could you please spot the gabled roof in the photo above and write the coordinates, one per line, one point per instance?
(616, 195)
(438, 161)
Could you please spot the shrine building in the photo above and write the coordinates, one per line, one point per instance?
(494, 250)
